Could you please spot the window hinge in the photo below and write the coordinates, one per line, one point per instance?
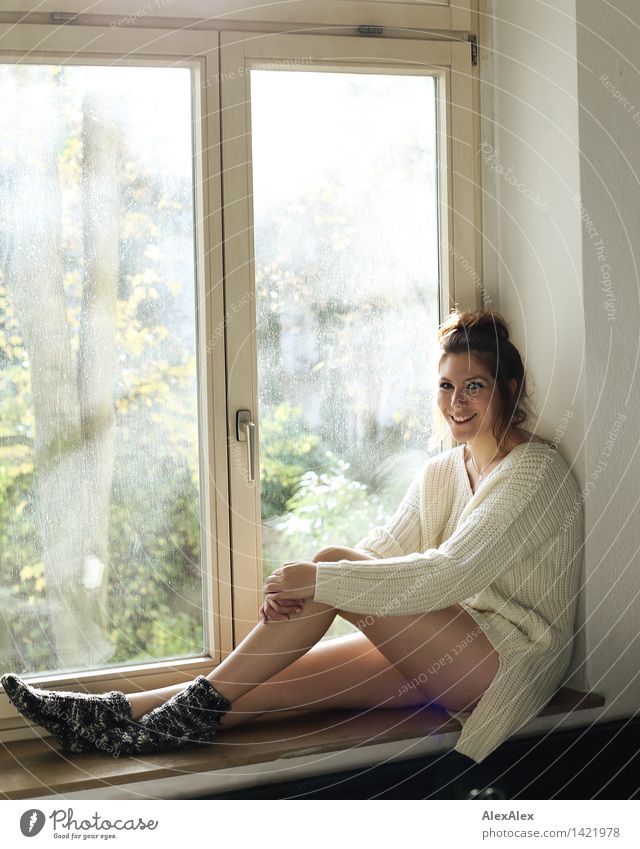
(63, 18)
(474, 49)
(368, 29)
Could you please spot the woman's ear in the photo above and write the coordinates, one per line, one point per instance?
(514, 385)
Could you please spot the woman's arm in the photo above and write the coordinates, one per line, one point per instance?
(518, 515)
(278, 607)
(400, 536)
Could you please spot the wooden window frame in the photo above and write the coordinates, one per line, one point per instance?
(262, 15)
(197, 51)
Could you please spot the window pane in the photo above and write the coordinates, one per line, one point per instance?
(99, 472)
(346, 264)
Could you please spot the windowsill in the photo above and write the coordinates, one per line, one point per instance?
(269, 749)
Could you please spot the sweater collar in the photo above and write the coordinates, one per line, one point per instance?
(510, 455)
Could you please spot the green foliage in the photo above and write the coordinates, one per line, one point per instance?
(327, 509)
(308, 499)
(287, 452)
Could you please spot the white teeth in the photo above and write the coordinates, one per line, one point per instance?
(460, 421)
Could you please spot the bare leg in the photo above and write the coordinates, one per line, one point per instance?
(440, 657)
(442, 654)
(264, 652)
(343, 673)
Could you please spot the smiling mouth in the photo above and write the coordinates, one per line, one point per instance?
(464, 420)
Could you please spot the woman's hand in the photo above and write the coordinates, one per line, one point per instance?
(272, 609)
(293, 580)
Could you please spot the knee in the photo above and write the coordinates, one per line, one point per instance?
(329, 553)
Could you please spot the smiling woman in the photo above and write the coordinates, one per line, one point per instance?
(482, 389)
(467, 598)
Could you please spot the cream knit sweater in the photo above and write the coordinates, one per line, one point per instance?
(510, 554)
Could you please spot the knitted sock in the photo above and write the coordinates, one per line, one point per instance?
(74, 719)
(187, 719)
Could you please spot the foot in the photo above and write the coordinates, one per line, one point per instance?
(74, 719)
(186, 719)
(190, 718)
(139, 741)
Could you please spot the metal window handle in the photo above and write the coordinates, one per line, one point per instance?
(246, 432)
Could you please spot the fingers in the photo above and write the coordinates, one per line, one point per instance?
(279, 609)
(284, 605)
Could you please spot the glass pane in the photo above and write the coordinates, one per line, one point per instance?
(346, 265)
(99, 472)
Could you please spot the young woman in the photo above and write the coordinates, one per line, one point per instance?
(467, 597)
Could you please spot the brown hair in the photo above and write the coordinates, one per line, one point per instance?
(486, 335)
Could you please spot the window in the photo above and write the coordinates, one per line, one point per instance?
(101, 496)
(108, 572)
(340, 244)
(340, 171)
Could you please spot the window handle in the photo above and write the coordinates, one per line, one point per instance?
(246, 432)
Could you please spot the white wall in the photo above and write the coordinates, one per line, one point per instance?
(531, 173)
(559, 262)
(608, 38)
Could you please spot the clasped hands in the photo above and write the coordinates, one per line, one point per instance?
(286, 590)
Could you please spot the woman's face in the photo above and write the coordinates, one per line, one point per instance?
(467, 393)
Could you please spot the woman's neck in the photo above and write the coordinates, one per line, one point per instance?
(486, 454)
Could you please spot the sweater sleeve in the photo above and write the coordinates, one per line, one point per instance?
(401, 534)
(515, 517)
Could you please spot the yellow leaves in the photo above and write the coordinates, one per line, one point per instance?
(12, 346)
(34, 571)
(174, 287)
(20, 507)
(15, 469)
(134, 339)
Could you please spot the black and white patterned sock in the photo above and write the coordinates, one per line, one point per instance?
(74, 719)
(188, 719)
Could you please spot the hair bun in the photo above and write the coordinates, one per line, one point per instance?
(493, 325)
(489, 324)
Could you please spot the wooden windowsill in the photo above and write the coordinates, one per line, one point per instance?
(35, 768)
